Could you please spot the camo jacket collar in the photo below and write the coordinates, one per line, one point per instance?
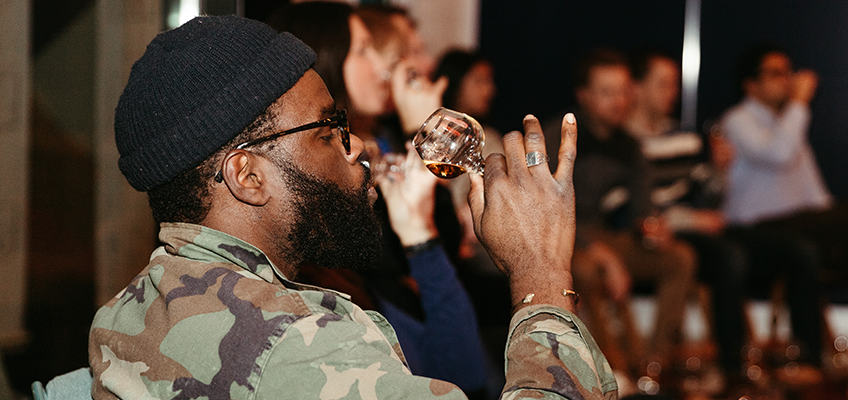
(200, 243)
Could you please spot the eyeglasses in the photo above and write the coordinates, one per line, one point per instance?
(338, 121)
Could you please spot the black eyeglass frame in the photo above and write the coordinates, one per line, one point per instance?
(336, 121)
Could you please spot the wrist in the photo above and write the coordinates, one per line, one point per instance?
(423, 247)
(544, 282)
(411, 236)
(566, 299)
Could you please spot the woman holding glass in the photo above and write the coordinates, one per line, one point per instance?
(415, 286)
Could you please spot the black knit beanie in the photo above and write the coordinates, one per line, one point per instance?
(195, 88)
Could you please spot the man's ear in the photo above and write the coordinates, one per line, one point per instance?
(244, 174)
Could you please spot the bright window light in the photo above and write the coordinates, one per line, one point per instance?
(691, 65)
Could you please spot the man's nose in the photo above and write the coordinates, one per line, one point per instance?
(357, 147)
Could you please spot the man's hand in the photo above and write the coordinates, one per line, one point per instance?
(804, 84)
(721, 152)
(711, 222)
(524, 216)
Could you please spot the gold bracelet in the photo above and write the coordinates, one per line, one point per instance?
(569, 292)
(565, 292)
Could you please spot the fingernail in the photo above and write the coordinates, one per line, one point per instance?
(529, 116)
(570, 118)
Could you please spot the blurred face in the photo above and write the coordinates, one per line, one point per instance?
(773, 85)
(363, 72)
(416, 49)
(477, 90)
(660, 89)
(606, 98)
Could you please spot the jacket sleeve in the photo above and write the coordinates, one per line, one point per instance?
(550, 354)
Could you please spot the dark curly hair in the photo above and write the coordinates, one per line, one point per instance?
(186, 197)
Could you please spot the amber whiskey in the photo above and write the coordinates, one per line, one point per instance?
(444, 170)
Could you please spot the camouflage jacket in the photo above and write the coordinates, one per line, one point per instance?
(210, 316)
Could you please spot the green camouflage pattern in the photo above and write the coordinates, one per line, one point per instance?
(211, 317)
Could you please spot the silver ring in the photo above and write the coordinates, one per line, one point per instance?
(535, 158)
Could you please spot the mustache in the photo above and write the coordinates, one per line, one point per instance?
(366, 177)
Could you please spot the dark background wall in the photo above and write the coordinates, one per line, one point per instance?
(533, 45)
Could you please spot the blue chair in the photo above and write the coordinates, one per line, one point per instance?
(75, 385)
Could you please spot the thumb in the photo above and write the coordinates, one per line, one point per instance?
(476, 200)
(440, 85)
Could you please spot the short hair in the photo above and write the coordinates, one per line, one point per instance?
(597, 58)
(640, 62)
(455, 64)
(185, 198)
(325, 27)
(749, 62)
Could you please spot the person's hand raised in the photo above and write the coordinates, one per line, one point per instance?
(415, 97)
(409, 193)
(804, 84)
(524, 216)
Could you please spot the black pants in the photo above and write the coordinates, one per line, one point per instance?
(723, 266)
(783, 254)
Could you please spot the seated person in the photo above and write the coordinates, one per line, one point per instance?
(619, 237)
(252, 174)
(680, 176)
(776, 203)
(470, 90)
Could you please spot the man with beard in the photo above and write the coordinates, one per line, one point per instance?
(252, 174)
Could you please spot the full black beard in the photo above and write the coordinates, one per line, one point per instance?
(333, 228)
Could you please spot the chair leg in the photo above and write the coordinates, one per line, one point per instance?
(5, 387)
(708, 347)
(778, 298)
(635, 344)
(705, 302)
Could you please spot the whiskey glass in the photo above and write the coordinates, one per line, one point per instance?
(450, 143)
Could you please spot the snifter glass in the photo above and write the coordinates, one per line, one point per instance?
(450, 143)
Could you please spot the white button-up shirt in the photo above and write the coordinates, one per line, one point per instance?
(774, 171)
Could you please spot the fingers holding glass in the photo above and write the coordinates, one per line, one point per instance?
(450, 143)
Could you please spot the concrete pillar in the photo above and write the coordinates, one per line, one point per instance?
(14, 162)
(124, 228)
